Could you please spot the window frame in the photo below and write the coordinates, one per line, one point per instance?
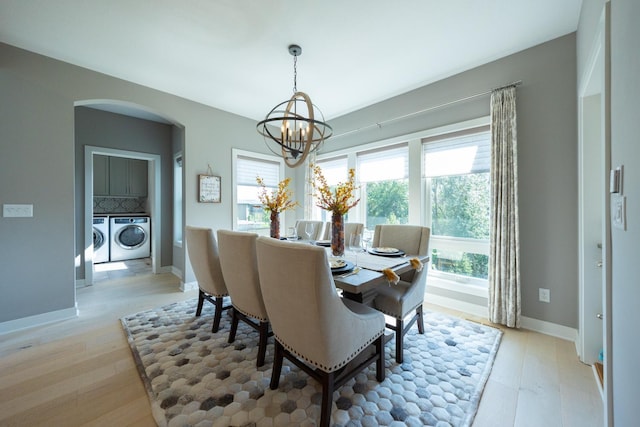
(457, 244)
(417, 193)
(235, 154)
(178, 199)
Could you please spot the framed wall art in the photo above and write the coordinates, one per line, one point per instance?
(208, 189)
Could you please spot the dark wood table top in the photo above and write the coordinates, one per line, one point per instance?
(361, 286)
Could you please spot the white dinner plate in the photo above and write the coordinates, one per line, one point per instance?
(386, 250)
(337, 263)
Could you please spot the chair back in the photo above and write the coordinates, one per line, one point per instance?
(203, 255)
(412, 239)
(349, 229)
(239, 265)
(306, 313)
(318, 229)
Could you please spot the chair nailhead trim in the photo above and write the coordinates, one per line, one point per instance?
(260, 318)
(334, 367)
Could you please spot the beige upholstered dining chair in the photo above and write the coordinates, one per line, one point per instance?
(407, 296)
(313, 327)
(240, 270)
(349, 229)
(318, 229)
(203, 255)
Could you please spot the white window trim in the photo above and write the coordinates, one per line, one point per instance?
(235, 153)
(178, 207)
(417, 193)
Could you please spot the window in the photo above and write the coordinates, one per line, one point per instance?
(456, 174)
(383, 175)
(335, 170)
(177, 199)
(249, 214)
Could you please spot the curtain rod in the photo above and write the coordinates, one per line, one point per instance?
(415, 113)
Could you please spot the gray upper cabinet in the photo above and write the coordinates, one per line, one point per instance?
(127, 177)
(100, 175)
(119, 177)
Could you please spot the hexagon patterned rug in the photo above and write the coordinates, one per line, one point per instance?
(195, 378)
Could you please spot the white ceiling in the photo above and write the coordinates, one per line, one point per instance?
(232, 54)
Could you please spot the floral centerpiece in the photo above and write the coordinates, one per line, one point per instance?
(338, 201)
(276, 201)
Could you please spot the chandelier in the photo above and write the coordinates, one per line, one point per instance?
(295, 127)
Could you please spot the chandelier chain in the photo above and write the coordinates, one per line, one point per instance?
(295, 73)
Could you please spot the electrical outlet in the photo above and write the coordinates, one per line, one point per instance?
(544, 295)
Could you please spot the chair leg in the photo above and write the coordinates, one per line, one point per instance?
(262, 343)
(234, 326)
(278, 355)
(328, 383)
(380, 372)
(200, 302)
(420, 320)
(399, 336)
(217, 315)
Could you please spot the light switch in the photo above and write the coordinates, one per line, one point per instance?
(17, 211)
(619, 212)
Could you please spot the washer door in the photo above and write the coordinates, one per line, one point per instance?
(98, 239)
(131, 237)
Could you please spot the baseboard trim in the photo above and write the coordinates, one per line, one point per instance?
(189, 286)
(454, 304)
(548, 328)
(541, 326)
(176, 272)
(38, 320)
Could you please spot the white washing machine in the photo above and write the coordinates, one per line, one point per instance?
(100, 239)
(130, 237)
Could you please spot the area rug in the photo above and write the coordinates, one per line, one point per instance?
(195, 378)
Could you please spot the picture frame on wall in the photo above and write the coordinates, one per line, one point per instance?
(208, 189)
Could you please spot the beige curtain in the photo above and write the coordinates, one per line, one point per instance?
(504, 255)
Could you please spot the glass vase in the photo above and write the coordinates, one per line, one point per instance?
(337, 234)
(274, 230)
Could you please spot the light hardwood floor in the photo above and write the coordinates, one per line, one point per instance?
(81, 372)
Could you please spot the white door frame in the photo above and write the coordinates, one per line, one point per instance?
(594, 98)
(154, 203)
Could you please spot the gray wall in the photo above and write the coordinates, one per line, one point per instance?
(547, 158)
(41, 120)
(109, 130)
(37, 165)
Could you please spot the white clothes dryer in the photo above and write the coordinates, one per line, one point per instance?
(100, 239)
(130, 237)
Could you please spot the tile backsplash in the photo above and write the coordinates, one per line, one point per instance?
(107, 205)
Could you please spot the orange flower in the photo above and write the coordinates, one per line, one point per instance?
(339, 200)
(416, 264)
(278, 200)
(391, 276)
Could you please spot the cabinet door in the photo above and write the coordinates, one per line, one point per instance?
(100, 175)
(118, 176)
(138, 178)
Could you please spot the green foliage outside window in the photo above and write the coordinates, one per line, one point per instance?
(387, 202)
(461, 208)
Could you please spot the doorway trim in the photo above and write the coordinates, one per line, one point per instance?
(154, 203)
(595, 82)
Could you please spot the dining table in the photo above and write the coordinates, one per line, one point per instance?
(361, 283)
